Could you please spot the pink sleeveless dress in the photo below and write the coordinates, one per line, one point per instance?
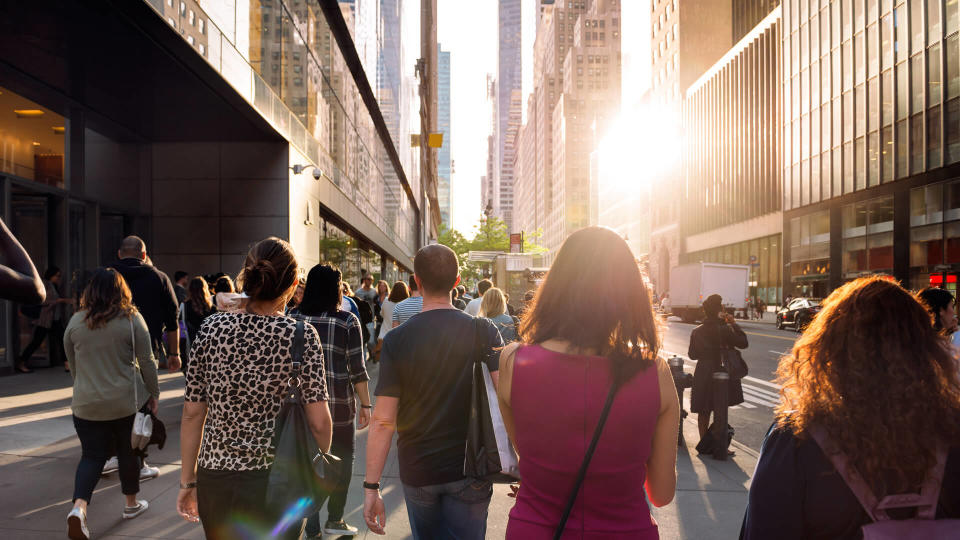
(556, 401)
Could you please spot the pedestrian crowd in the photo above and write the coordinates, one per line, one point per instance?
(864, 442)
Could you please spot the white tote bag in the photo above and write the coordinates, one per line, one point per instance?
(142, 423)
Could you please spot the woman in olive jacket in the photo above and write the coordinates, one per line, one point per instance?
(114, 375)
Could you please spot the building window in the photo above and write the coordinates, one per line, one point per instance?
(868, 237)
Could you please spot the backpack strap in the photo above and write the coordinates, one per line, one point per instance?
(925, 501)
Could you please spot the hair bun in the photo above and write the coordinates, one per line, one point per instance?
(259, 277)
(269, 270)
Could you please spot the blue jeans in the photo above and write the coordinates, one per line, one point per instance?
(456, 510)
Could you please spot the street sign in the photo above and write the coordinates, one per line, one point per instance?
(516, 243)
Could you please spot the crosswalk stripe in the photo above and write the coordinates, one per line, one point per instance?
(758, 399)
(763, 392)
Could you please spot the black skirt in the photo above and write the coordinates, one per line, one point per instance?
(701, 395)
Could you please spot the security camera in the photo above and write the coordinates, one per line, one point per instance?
(317, 173)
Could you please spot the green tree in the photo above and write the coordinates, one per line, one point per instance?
(490, 235)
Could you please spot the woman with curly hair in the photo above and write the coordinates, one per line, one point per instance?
(874, 380)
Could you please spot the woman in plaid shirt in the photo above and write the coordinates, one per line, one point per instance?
(341, 338)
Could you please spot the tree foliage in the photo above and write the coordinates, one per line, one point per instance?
(488, 235)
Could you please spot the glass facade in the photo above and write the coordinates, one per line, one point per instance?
(935, 235)
(731, 119)
(283, 58)
(810, 254)
(887, 74)
(31, 140)
(868, 237)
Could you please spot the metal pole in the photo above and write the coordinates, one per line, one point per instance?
(676, 369)
(721, 382)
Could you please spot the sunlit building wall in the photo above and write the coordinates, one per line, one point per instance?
(687, 37)
(184, 123)
(508, 104)
(444, 169)
(730, 209)
(871, 142)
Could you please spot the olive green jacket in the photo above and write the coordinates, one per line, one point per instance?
(104, 369)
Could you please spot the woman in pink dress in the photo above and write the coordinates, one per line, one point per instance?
(591, 326)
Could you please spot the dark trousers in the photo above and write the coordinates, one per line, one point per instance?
(232, 504)
(98, 441)
(343, 445)
(54, 347)
(452, 510)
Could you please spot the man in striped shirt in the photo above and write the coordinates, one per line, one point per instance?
(409, 307)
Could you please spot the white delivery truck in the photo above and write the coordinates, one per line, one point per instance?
(691, 284)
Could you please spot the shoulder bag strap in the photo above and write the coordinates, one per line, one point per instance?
(861, 490)
(582, 473)
(296, 353)
(133, 343)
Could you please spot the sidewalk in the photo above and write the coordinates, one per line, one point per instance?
(39, 453)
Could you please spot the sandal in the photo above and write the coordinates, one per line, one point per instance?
(22, 368)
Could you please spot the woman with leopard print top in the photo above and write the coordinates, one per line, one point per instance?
(239, 368)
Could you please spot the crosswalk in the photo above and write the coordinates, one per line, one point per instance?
(756, 392)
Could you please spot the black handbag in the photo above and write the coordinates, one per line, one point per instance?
(302, 475)
(733, 362)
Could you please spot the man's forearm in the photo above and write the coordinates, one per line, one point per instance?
(173, 341)
(363, 392)
(378, 446)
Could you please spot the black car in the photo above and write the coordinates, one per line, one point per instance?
(798, 313)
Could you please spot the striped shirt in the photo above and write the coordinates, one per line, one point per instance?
(407, 308)
(341, 340)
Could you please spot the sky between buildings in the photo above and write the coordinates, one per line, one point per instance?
(469, 31)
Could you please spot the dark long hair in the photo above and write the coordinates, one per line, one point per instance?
(935, 300)
(873, 372)
(322, 293)
(105, 297)
(594, 298)
(198, 294)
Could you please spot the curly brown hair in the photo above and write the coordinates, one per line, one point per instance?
(106, 297)
(873, 372)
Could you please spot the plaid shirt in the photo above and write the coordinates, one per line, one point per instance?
(341, 339)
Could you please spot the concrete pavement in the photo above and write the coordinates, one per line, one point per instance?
(39, 452)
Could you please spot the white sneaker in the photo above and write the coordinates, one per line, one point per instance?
(148, 473)
(77, 525)
(130, 512)
(111, 465)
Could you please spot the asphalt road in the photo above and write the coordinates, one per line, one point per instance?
(751, 419)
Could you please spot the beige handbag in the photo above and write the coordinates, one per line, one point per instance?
(142, 423)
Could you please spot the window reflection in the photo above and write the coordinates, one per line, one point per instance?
(31, 140)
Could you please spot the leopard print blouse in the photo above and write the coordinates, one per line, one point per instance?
(239, 365)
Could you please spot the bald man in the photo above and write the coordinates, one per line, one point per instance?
(153, 295)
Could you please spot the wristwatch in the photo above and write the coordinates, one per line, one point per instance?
(188, 485)
(362, 406)
(371, 485)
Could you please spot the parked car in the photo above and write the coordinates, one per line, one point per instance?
(798, 313)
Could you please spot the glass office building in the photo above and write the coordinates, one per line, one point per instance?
(730, 204)
(871, 92)
(185, 123)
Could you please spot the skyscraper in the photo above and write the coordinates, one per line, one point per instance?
(508, 105)
(687, 37)
(443, 125)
